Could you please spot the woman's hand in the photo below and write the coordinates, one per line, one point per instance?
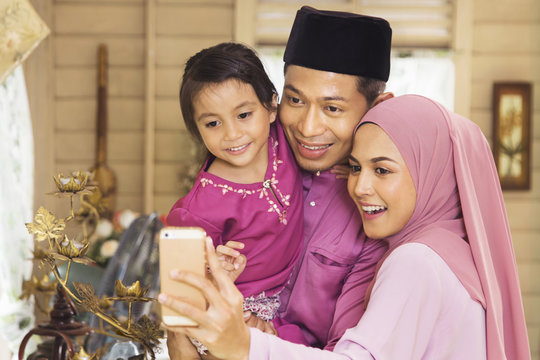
(231, 260)
(341, 171)
(255, 322)
(180, 348)
(221, 326)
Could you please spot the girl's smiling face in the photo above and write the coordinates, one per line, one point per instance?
(380, 183)
(233, 123)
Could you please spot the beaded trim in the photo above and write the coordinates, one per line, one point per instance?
(278, 202)
(265, 307)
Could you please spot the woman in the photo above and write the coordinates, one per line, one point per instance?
(424, 181)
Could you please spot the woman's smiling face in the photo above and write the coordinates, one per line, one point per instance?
(380, 183)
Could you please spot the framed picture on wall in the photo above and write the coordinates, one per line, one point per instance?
(512, 134)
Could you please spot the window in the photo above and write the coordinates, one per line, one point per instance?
(422, 37)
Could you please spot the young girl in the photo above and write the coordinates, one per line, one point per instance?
(248, 195)
(424, 181)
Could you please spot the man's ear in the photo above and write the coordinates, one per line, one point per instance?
(382, 97)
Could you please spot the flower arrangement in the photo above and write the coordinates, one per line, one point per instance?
(106, 236)
(59, 248)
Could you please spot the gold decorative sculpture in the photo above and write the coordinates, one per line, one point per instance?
(61, 248)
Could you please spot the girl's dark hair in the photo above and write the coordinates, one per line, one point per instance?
(217, 64)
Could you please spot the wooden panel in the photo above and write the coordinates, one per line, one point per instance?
(528, 277)
(531, 303)
(126, 114)
(87, 18)
(174, 146)
(76, 114)
(163, 203)
(79, 145)
(197, 2)
(507, 10)
(129, 176)
(67, 167)
(505, 67)
(481, 95)
(197, 21)
(536, 152)
(534, 338)
(126, 82)
(80, 114)
(77, 50)
(168, 178)
(523, 214)
(125, 146)
(168, 81)
(130, 201)
(536, 95)
(168, 114)
(533, 194)
(101, 1)
(503, 38)
(536, 123)
(526, 245)
(75, 82)
(177, 50)
(483, 119)
(82, 82)
(71, 145)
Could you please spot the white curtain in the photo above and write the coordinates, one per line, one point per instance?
(427, 73)
(16, 208)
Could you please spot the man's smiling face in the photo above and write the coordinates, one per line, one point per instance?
(319, 111)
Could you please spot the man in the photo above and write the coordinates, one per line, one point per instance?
(336, 68)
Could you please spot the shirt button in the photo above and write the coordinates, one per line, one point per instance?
(312, 203)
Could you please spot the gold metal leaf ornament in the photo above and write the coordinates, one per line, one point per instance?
(34, 285)
(70, 249)
(46, 227)
(134, 290)
(72, 184)
(82, 355)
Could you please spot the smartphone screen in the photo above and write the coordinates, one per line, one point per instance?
(181, 248)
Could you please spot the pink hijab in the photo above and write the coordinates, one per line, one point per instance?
(459, 211)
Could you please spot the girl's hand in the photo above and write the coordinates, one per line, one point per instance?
(341, 171)
(230, 258)
(221, 326)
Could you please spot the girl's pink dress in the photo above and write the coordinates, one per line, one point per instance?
(266, 216)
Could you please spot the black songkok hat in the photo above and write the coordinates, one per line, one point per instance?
(340, 42)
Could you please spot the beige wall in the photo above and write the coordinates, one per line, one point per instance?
(150, 40)
(148, 43)
(506, 47)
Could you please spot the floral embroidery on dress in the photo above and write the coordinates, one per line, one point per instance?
(276, 199)
(264, 307)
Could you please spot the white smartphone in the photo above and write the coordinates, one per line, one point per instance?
(181, 248)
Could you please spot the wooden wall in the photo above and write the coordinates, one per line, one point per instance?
(148, 43)
(506, 47)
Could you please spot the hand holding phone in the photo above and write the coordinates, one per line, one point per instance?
(181, 248)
